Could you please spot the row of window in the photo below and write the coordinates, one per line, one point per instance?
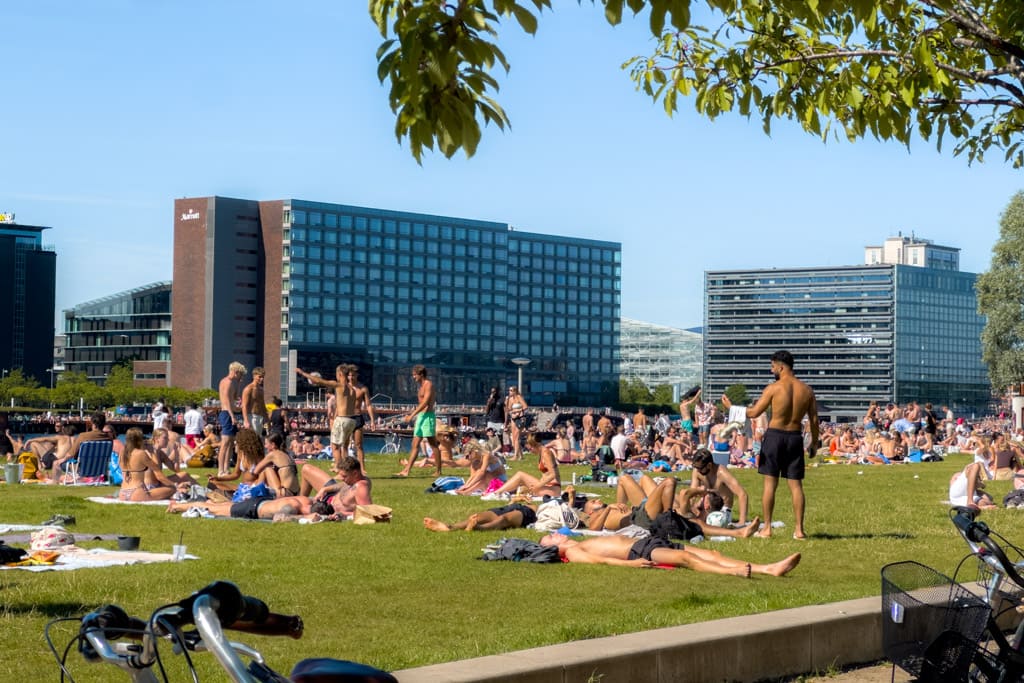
(554, 265)
(385, 226)
(556, 322)
(488, 308)
(371, 249)
(571, 251)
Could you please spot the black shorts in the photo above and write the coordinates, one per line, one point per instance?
(248, 508)
(643, 548)
(639, 517)
(782, 454)
(360, 422)
(47, 460)
(529, 516)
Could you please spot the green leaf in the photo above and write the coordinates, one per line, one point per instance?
(526, 20)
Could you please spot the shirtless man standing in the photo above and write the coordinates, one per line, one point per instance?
(782, 449)
(426, 427)
(363, 405)
(228, 389)
(254, 406)
(345, 410)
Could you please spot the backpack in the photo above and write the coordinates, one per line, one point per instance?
(521, 550)
(10, 553)
(554, 514)
(670, 524)
(114, 474)
(442, 484)
(204, 457)
(1014, 498)
(30, 463)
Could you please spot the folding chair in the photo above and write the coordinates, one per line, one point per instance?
(92, 462)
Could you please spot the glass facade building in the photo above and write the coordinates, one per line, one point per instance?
(881, 332)
(134, 324)
(28, 277)
(331, 283)
(657, 355)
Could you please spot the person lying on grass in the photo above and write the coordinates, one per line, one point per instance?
(256, 507)
(512, 516)
(649, 552)
(640, 503)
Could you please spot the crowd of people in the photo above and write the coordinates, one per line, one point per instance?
(263, 474)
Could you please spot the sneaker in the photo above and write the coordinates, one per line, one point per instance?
(192, 513)
(60, 520)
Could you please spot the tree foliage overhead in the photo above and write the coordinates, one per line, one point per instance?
(945, 69)
(1001, 300)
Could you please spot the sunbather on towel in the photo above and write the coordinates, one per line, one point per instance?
(648, 552)
(512, 516)
(257, 507)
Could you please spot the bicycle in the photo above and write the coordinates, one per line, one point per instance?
(938, 630)
(102, 637)
(392, 444)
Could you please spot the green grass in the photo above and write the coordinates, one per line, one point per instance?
(397, 596)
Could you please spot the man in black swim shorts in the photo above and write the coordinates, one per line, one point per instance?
(782, 448)
(513, 516)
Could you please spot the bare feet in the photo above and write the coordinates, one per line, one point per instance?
(799, 536)
(472, 522)
(400, 474)
(782, 567)
(435, 525)
(751, 528)
(766, 532)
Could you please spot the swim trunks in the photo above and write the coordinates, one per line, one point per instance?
(782, 454)
(257, 422)
(638, 517)
(248, 508)
(227, 423)
(645, 547)
(529, 516)
(687, 426)
(341, 430)
(426, 424)
(360, 422)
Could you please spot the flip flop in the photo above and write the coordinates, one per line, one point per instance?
(799, 538)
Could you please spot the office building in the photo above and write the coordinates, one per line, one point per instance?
(659, 355)
(293, 283)
(885, 332)
(134, 325)
(28, 276)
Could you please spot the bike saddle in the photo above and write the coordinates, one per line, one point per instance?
(325, 670)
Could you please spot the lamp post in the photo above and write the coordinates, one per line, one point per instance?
(521, 363)
(52, 372)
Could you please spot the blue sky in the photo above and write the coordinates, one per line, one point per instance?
(114, 108)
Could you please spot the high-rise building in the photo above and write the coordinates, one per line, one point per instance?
(293, 283)
(885, 332)
(28, 276)
(132, 325)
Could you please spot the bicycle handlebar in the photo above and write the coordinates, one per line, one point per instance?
(977, 535)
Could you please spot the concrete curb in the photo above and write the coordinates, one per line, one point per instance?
(770, 645)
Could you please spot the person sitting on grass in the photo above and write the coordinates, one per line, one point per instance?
(143, 478)
(484, 468)
(168, 455)
(278, 468)
(648, 552)
(249, 453)
(707, 474)
(343, 497)
(966, 487)
(549, 484)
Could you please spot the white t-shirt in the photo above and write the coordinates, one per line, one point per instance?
(159, 416)
(194, 422)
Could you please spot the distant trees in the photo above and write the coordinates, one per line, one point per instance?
(75, 388)
(1001, 300)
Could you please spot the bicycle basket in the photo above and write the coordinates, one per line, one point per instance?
(930, 621)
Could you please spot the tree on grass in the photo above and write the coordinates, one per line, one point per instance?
(943, 69)
(1001, 300)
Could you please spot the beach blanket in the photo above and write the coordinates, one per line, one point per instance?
(73, 557)
(110, 500)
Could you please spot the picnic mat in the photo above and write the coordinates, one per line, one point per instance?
(73, 557)
(110, 500)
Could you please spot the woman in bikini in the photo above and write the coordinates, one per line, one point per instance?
(484, 468)
(550, 481)
(515, 413)
(249, 453)
(138, 465)
(562, 446)
(278, 468)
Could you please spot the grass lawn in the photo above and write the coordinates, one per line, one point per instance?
(398, 596)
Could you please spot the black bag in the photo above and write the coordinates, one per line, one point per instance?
(670, 524)
(521, 550)
(1014, 498)
(10, 553)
